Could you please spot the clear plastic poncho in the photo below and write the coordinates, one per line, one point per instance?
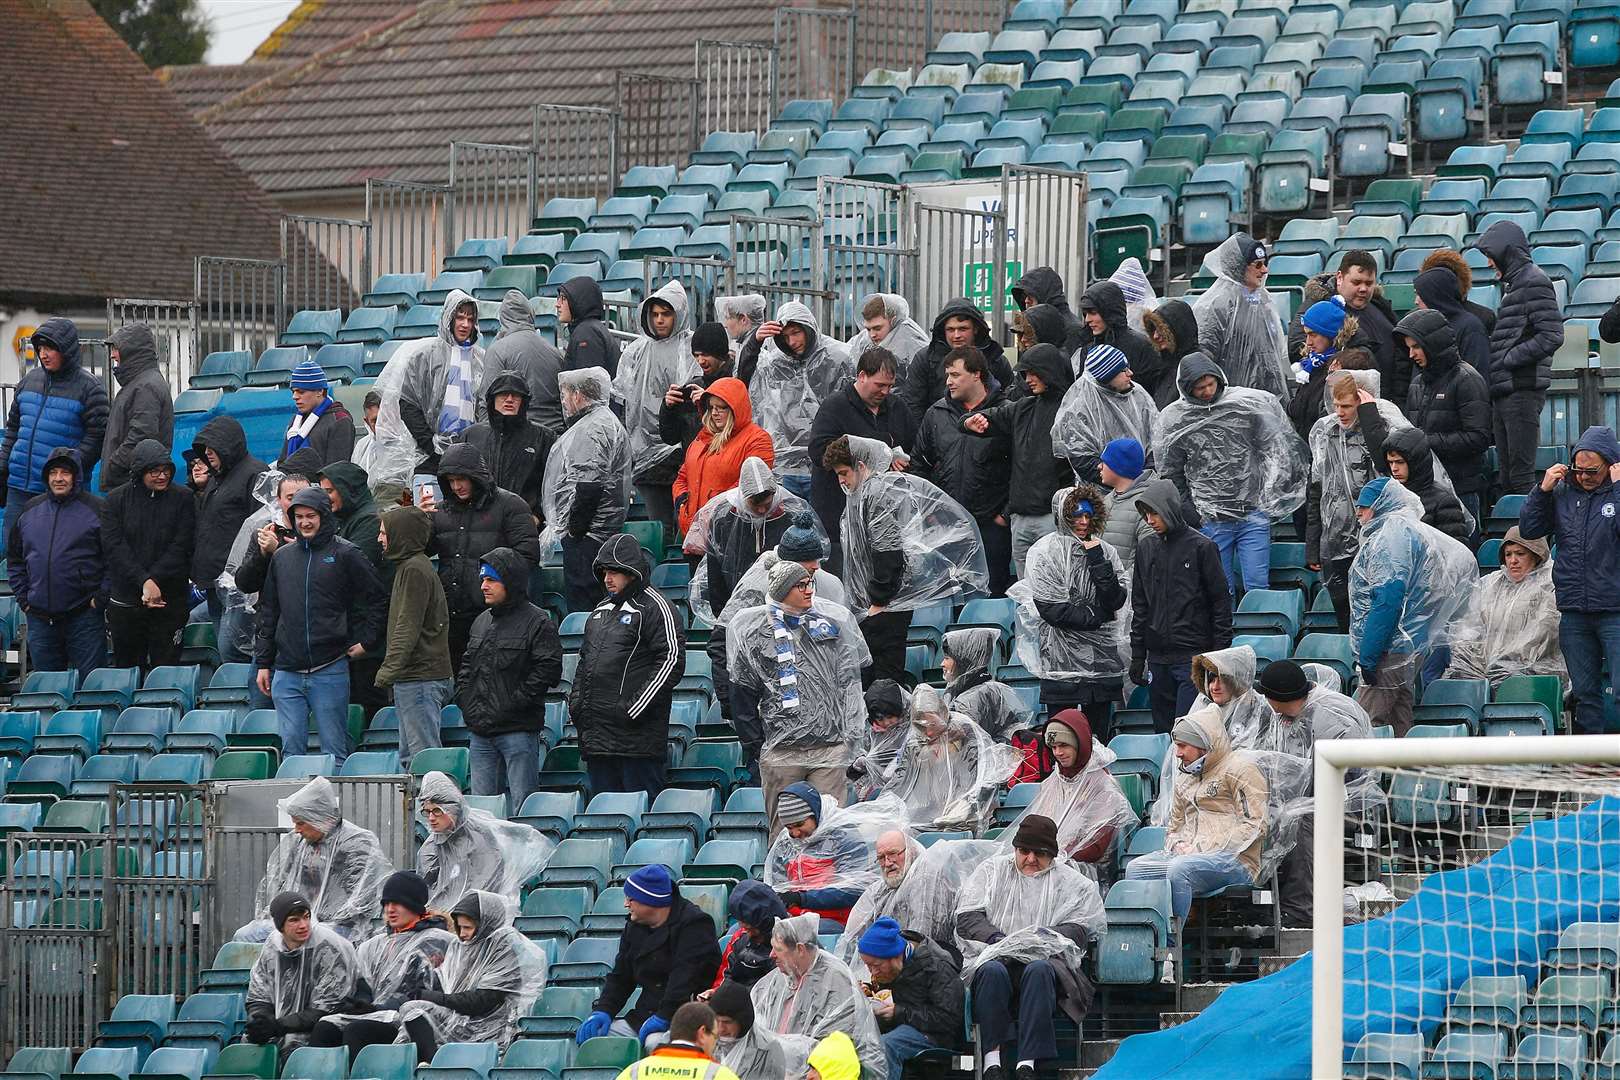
(1092, 415)
(1508, 628)
(878, 753)
(750, 306)
(787, 390)
(949, 770)
(810, 694)
(1139, 295)
(994, 706)
(1247, 715)
(593, 449)
(1055, 571)
(1081, 806)
(727, 528)
(839, 854)
(1239, 328)
(416, 375)
(394, 966)
(317, 975)
(803, 1011)
(648, 367)
(497, 958)
(1342, 465)
(1238, 453)
(897, 512)
(1328, 715)
(749, 591)
(478, 851)
(905, 339)
(235, 600)
(1026, 908)
(756, 1055)
(923, 899)
(341, 876)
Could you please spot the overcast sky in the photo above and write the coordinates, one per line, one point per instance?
(240, 25)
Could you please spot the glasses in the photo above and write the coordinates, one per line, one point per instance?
(1587, 472)
(890, 856)
(806, 586)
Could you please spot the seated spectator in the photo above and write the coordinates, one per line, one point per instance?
(587, 487)
(469, 850)
(1024, 921)
(949, 769)
(818, 864)
(1510, 624)
(746, 956)
(1347, 450)
(667, 951)
(147, 529)
(744, 1047)
(657, 361)
(878, 750)
(1080, 796)
(690, 1053)
(429, 394)
(736, 526)
(365, 446)
(319, 421)
(519, 350)
(916, 887)
(1448, 402)
(683, 414)
(1104, 404)
(717, 458)
(790, 368)
(1406, 450)
(1173, 329)
(142, 409)
(959, 324)
(1225, 679)
(898, 853)
(916, 991)
(971, 690)
(886, 322)
(59, 570)
(1217, 825)
(514, 657)
(513, 446)
(1238, 325)
(331, 860)
(811, 995)
(741, 315)
(304, 973)
(833, 1058)
(590, 343)
(58, 404)
(416, 658)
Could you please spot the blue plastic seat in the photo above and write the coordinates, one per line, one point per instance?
(139, 730)
(107, 1063)
(306, 766)
(461, 1061)
(312, 328)
(385, 1062)
(173, 685)
(38, 1063)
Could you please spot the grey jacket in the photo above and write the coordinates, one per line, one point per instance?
(143, 407)
(520, 349)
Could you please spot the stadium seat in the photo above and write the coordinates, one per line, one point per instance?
(396, 1062)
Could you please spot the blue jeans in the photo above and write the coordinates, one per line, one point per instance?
(1587, 638)
(67, 641)
(1190, 875)
(799, 485)
(1244, 545)
(902, 1043)
(419, 705)
(323, 694)
(16, 499)
(507, 764)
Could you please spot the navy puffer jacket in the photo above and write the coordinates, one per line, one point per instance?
(1586, 527)
(50, 410)
(53, 555)
(1529, 323)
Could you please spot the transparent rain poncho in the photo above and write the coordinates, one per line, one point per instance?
(896, 512)
(787, 390)
(949, 769)
(905, 339)
(395, 966)
(341, 877)
(994, 706)
(1056, 572)
(1246, 715)
(749, 591)
(497, 958)
(803, 1011)
(1091, 416)
(924, 899)
(478, 851)
(317, 975)
(1138, 290)
(1238, 453)
(756, 1055)
(728, 530)
(1508, 628)
(750, 306)
(1341, 464)
(812, 697)
(1081, 806)
(648, 367)
(840, 851)
(1026, 908)
(269, 513)
(1328, 715)
(878, 752)
(415, 376)
(1238, 327)
(1218, 807)
(593, 449)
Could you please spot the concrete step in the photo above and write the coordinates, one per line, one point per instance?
(1196, 997)
(1096, 1053)
(1270, 965)
(1294, 942)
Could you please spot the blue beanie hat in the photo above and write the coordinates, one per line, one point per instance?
(1325, 317)
(1103, 362)
(308, 376)
(1125, 456)
(882, 940)
(486, 570)
(1369, 494)
(651, 885)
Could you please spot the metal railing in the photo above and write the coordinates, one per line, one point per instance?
(492, 191)
(816, 52)
(174, 325)
(240, 303)
(327, 261)
(881, 252)
(704, 279)
(576, 151)
(737, 84)
(897, 36)
(782, 259)
(658, 118)
(1046, 222)
(410, 226)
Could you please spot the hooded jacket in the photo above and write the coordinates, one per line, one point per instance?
(925, 374)
(143, 408)
(973, 471)
(1025, 427)
(648, 367)
(928, 992)
(513, 657)
(744, 961)
(464, 530)
(1070, 600)
(1609, 325)
(1448, 259)
(1222, 807)
(1239, 327)
(417, 648)
(67, 408)
(148, 535)
(905, 337)
(844, 413)
(520, 349)
(332, 437)
(228, 498)
(590, 342)
(54, 555)
(632, 655)
(1441, 507)
(671, 964)
(787, 388)
(417, 392)
(679, 424)
(1448, 400)
(514, 448)
(1529, 322)
(1407, 582)
(1048, 325)
(705, 473)
(357, 520)
(736, 536)
(1586, 527)
(320, 596)
(1044, 286)
(1108, 300)
(1175, 322)
(1180, 605)
(1437, 288)
(1374, 332)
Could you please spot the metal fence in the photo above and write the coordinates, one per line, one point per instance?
(174, 325)
(961, 251)
(816, 52)
(410, 226)
(327, 261)
(658, 118)
(737, 85)
(576, 151)
(782, 259)
(870, 243)
(492, 191)
(240, 303)
(704, 280)
(1046, 222)
(896, 36)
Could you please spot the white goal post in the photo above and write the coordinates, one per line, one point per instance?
(1332, 760)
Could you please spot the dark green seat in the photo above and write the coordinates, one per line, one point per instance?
(453, 761)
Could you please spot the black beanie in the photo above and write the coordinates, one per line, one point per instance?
(711, 339)
(731, 1000)
(1283, 680)
(407, 889)
(284, 906)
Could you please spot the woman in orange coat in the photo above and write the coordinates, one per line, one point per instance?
(714, 460)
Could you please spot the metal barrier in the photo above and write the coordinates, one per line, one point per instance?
(410, 227)
(492, 190)
(576, 151)
(174, 325)
(869, 236)
(161, 941)
(239, 303)
(327, 261)
(961, 236)
(1046, 223)
(898, 36)
(816, 50)
(658, 118)
(782, 260)
(704, 279)
(737, 82)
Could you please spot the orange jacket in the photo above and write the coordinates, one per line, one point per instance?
(704, 475)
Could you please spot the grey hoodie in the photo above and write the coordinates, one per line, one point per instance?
(521, 350)
(648, 367)
(143, 407)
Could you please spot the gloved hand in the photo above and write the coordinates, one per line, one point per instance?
(1369, 675)
(595, 1024)
(654, 1025)
(792, 899)
(997, 936)
(432, 997)
(1138, 671)
(263, 1029)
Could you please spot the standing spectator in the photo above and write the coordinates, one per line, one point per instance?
(520, 350)
(147, 528)
(1174, 615)
(741, 315)
(1043, 286)
(652, 365)
(790, 368)
(1347, 450)
(681, 417)
(1328, 331)
(1356, 284)
(59, 570)
(1103, 309)
(356, 511)
(964, 664)
(1104, 404)
(1529, 329)
(142, 408)
(429, 394)
(959, 323)
(1448, 259)
(1173, 329)
(514, 447)
(973, 471)
(319, 421)
(513, 658)
(1409, 460)
(416, 660)
(363, 447)
(737, 526)
(587, 487)
(1238, 326)
(632, 655)
(226, 503)
(714, 460)
(1448, 402)
(1574, 507)
(1125, 477)
(590, 343)
(924, 1006)
(321, 606)
(886, 321)
(1437, 292)
(56, 404)
(1040, 325)
(262, 532)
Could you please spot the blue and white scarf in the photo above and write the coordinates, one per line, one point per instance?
(299, 431)
(456, 414)
(816, 628)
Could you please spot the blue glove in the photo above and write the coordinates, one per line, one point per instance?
(595, 1024)
(654, 1025)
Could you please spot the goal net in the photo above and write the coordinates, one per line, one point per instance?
(1467, 924)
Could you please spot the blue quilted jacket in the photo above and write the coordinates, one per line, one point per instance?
(65, 408)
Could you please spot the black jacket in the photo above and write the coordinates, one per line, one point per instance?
(972, 470)
(1108, 300)
(320, 596)
(1449, 402)
(928, 992)
(228, 498)
(1178, 325)
(925, 375)
(1044, 285)
(148, 534)
(1609, 325)
(1441, 508)
(142, 409)
(520, 349)
(513, 657)
(679, 424)
(671, 964)
(633, 654)
(514, 448)
(332, 437)
(55, 555)
(464, 531)
(1025, 427)
(1309, 403)
(590, 343)
(1437, 288)
(846, 414)
(1529, 322)
(1180, 605)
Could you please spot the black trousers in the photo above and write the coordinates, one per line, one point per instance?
(144, 637)
(997, 554)
(1516, 419)
(356, 1035)
(1014, 1003)
(460, 631)
(584, 589)
(885, 635)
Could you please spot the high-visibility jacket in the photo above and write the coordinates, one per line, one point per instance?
(677, 1062)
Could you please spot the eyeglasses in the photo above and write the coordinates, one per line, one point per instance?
(1588, 472)
(806, 585)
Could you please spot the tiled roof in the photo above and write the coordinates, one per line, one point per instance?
(316, 26)
(199, 86)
